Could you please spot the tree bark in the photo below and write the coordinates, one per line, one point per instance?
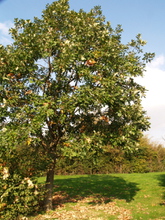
(49, 188)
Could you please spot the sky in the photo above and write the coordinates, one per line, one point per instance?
(146, 17)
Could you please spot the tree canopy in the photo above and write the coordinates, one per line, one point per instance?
(68, 86)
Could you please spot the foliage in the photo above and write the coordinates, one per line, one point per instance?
(19, 196)
(149, 157)
(67, 77)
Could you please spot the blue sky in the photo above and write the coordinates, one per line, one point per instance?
(136, 16)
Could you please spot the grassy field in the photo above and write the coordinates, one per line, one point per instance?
(114, 196)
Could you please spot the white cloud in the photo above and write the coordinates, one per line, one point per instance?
(154, 103)
(157, 119)
(4, 27)
(5, 40)
(154, 81)
(4, 32)
(157, 62)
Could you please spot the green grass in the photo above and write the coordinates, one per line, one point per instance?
(143, 195)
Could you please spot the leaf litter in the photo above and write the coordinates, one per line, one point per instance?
(87, 208)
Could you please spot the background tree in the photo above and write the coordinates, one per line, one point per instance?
(68, 85)
(148, 157)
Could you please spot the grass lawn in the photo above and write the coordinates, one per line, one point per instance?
(114, 196)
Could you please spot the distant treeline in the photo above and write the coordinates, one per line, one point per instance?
(150, 157)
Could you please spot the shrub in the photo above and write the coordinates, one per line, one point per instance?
(19, 196)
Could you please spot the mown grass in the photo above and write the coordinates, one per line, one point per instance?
(139, 196)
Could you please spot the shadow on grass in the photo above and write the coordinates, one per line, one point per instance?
(161, 179)
(102, 188)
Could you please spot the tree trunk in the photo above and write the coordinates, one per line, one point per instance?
(49, 188)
